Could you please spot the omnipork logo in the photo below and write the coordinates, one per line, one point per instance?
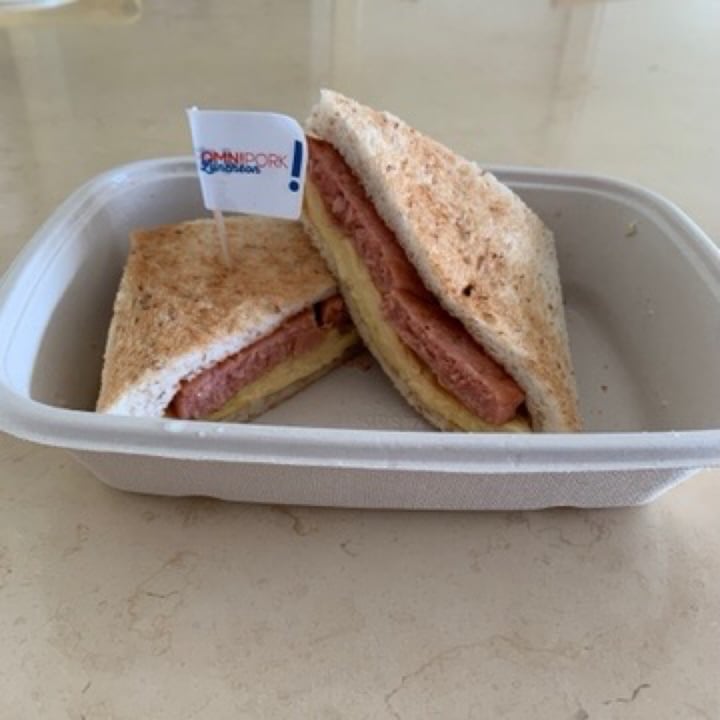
(240, 161)
(251, 162)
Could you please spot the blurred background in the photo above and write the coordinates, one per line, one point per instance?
(622, 87)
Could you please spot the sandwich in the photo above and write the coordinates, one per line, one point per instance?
(194, 338)
(451, 280)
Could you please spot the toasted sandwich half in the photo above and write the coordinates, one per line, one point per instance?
(451, 280)
(192, 338)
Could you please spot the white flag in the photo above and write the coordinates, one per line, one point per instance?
(250, 162)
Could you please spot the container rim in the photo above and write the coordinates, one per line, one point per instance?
(356, 448)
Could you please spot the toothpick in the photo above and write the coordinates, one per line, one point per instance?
(222, 235)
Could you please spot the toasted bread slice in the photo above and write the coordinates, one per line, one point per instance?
(179, 310)
(486, 257)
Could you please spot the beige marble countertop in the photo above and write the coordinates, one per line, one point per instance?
(115, 606)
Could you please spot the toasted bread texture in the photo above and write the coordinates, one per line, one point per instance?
(179, 310)
(486, 257)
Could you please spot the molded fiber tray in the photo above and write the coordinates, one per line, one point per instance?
(642, 289)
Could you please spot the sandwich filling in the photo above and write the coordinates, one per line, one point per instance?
(457, 362)
(306, 342)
